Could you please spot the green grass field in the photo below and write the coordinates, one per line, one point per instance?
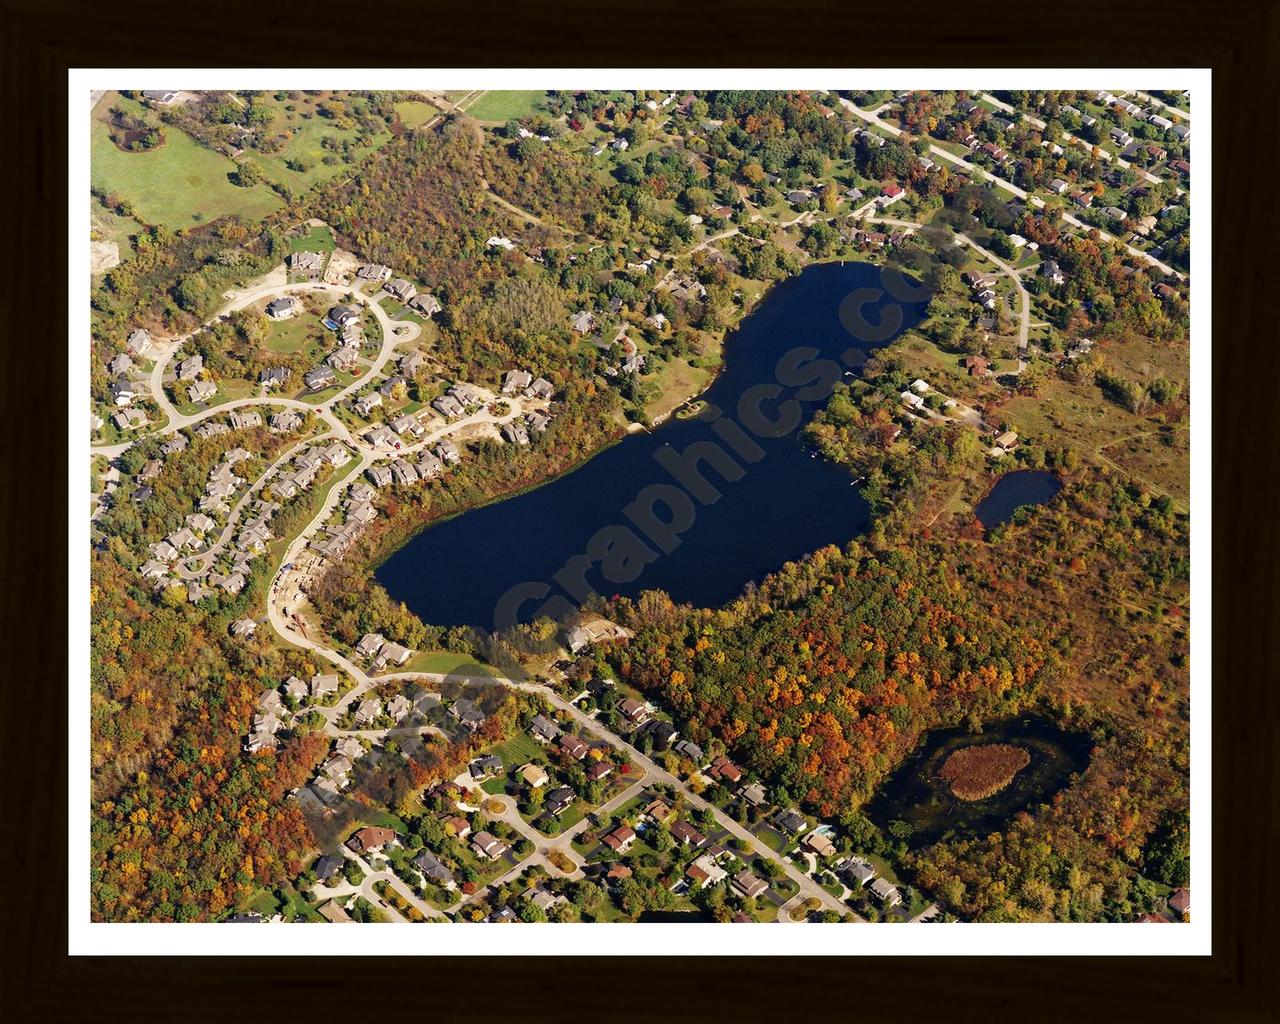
(179, 185)
(292, 335)
(111, 227)
(307, 144)
(503, 105)
(318, 239)
(444, 662)
(415, 113)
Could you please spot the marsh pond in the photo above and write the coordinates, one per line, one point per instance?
(966, 783)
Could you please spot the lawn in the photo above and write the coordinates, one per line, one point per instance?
(179, 185)
(415, 113)
(318, 239)
(520, 749)
(229, 390)
(502, 105)
(288, 336)
(677, 382)
(446, 662)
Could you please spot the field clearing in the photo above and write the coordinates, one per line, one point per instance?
(415, 113)
(178, 185)
(112, 227)
(307, 144)
(502, 105)
(446, 662)
(679, 382)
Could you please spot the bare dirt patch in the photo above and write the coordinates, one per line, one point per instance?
(103, 256)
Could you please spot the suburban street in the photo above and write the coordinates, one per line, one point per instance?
(974, 169)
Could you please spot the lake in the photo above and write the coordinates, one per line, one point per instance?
(916, 794)
(749, 504)
(1012, 491)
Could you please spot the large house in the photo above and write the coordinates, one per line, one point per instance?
(283, 308)
(370, 839)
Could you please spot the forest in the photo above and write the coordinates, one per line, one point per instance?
(825, 676)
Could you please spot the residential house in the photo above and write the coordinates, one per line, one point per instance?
(620, 839)
(406, 425)
(690, 750)
(543, 729)
(411, 364)
(749, 886)
(1051, 270)
(819, 843)
(573, 746)
(373, 272)
(540, 388)
(886, 892)
(401, 289)
(724, 770)
(433, 869)
(190, 368)
(857, 872)
(516, 381)
(790, 821)
(327, 866)
(320, 378)
(889, 195)
(754, 794)
(426, 304)
(556, 800)
(246, 420)
(370, 839)
(1007, 440)
(488, 846)
(369, 711)
(283, 308)
(370, 644)
(634, 711)
(365, 404)
(599, 770)
(686, 835)
(342, 316)
(393, 654)
(457, 825)
(139, 342)
(306, 262)
(534, 775)
(467, 714)
(323, 684)
(285, 422)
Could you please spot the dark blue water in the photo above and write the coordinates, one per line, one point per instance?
(1012, 491)
(782, 506)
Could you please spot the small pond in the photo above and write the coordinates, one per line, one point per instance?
(919, 795)
(1012, 491)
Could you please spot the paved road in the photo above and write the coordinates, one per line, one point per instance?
(366, 889)
(656, 773)
(1103, 153)
(394, 332)
(1008, 186)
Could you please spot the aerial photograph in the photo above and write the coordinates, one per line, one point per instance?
(669, 505)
